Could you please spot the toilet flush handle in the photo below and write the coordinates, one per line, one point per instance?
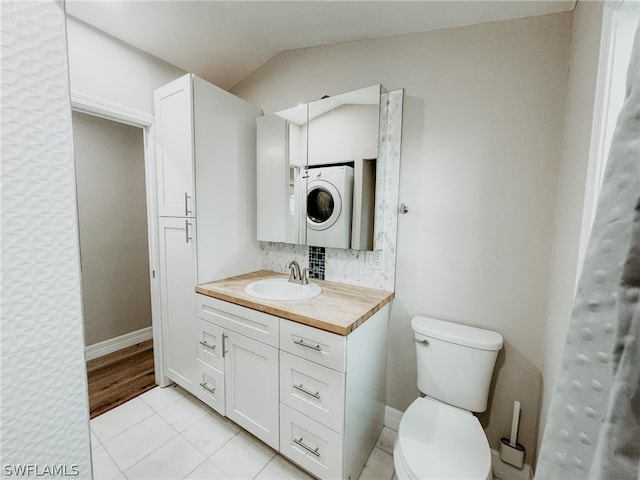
(424, 342)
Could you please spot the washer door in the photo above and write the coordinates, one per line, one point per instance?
(323, 205)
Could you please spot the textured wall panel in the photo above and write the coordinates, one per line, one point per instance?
(44, 416)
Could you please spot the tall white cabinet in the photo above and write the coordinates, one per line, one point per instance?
(177, 277)
(205, 175)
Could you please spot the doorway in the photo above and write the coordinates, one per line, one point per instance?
(114, 252)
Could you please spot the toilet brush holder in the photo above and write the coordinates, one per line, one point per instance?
(513, 455)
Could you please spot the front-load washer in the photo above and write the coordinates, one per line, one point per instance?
(329, 206)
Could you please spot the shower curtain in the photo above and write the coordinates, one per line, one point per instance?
(593, 430)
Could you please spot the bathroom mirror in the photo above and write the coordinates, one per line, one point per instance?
(281, 172)
(317, 167)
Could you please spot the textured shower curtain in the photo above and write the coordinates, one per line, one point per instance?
(593, 429)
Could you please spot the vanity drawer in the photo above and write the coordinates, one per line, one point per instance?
(209, 346)
(251, 323)
(316, 345)
(312, 389)
(211, 387)
(310, 444)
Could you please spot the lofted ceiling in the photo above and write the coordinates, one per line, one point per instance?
(225, 41)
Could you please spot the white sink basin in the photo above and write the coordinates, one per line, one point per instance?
(281, 289)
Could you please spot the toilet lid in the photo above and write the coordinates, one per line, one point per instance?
(438, 441)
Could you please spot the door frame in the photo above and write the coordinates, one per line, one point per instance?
(611, 12)
(117, 113)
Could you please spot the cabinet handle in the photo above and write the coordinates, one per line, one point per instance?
(186, 230)
(308, 392)
(224, 344)
(302, 344)
(307, 447)
(210, 390)
(187, 212)
(206, 345)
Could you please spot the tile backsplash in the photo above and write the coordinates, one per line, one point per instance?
(350, 266)
(317, 262)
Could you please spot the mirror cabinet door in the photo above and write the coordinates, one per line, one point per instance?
(281, 171)
(317, 167)
(342, 158)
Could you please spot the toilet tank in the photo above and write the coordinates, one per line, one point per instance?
(455, 362)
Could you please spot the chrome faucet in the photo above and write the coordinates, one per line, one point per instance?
(295, 276)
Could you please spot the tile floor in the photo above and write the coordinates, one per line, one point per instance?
(166, 433)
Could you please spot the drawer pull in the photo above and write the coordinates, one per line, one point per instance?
(210, 390)
(307, 447)
(302, 344)
(187, 197)
(308, 392)
(206, 345)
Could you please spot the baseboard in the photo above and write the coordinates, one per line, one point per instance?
(118, 343)
(504, 471)
(392, 417)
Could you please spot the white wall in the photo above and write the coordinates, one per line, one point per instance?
(572, 178)
(105, 68)
(482, 132)
(112, 217)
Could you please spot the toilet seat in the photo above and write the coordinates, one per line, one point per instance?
(439, 441)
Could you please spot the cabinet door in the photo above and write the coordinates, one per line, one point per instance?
(251, 375)
(178, 279)
(173, 105)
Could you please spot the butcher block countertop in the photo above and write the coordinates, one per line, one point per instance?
(339, 308)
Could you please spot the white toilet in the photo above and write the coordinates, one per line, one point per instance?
(439, 437)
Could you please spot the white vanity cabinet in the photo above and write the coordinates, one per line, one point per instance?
(306, 377)
(315, 396)
(238, 366)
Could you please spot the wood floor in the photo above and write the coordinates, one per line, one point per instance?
(120, 376)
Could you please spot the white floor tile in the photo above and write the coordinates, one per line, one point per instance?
(369, 473)
(209, 433)
(242, 457)
(379, 466)
(113, 422)
(139, 441)
(104, 468)
(159, 398)
(183, 413)
(207, 471)
(94, 440)
(386, 440)
(281, 469)
(173, 460)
